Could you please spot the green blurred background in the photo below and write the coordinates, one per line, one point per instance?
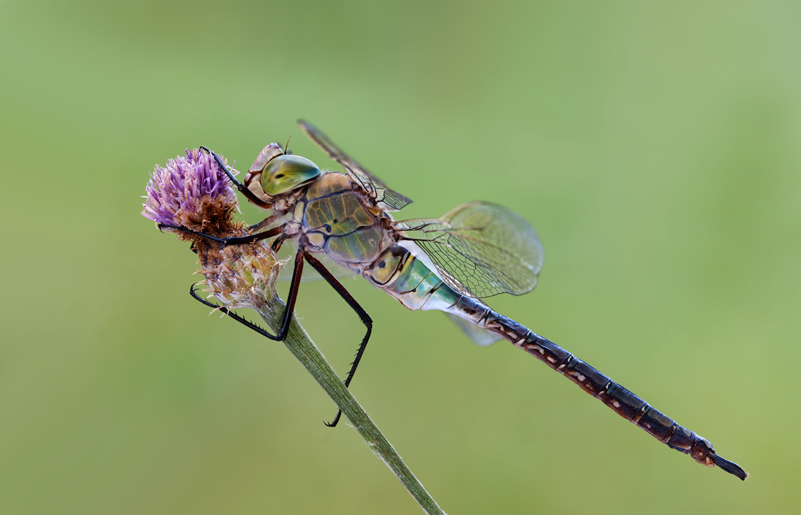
(655, 146)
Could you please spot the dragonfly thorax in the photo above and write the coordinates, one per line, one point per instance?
(337, 217)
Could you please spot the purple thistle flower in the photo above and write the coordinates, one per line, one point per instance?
(177, 194)
(195, 193)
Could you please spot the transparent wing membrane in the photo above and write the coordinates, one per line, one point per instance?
(480, 337)
(380, 192)
(480, 249)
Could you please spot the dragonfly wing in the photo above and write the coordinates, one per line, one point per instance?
(480, 337)
(380, 191)
(480, 249)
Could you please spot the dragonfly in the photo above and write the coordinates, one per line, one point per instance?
(449, 264)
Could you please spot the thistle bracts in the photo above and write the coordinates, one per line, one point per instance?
(193, 192)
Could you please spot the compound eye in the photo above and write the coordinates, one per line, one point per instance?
(287, 172)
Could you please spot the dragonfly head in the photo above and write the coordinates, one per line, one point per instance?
(287, 172)
(274, 172)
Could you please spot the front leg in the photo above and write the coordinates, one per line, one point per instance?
(239, 186)
(276, 215)
(228, 240)
(280, 336)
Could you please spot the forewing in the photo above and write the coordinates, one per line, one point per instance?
(480, 249)
(380, 192)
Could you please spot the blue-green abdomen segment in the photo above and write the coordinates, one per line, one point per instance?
(412, 283)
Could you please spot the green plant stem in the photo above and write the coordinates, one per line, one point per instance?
(304, 349)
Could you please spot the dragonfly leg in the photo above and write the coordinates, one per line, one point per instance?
(266, 222)
(292, 296)
(229, 240)
(241, 320)
(276, 245)
(241, 187)
(297, 272)
(365, 318)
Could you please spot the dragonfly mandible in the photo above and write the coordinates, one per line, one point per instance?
(475, 251)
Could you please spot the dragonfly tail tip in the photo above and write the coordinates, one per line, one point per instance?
(730, 467)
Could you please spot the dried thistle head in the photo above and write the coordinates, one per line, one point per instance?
(193, 192)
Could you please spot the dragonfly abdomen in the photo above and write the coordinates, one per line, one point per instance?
(398, 272)
(622, 401)
(410, 281)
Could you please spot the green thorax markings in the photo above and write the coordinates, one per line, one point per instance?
(337, 219)
(334, 208)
